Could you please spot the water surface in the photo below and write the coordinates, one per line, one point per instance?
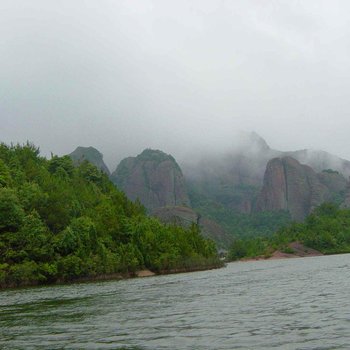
(278, 304)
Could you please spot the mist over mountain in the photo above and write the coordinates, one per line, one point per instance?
(250, 189)
(234, 179)
(124, 76)
(150, 137)
(246, 160)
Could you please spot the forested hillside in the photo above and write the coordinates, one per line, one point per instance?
(249, 191)
(326, 229)
(59, 223)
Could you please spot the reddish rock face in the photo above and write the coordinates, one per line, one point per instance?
(157, 181)
(289, 185)
(234, 178)
(154, 178)
(274, 193)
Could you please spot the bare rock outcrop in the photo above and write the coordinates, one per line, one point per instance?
(333, 180)
(289, 185)
(154, 178)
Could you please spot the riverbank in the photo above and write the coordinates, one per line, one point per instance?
(192, 269)
(293, 250)
(115, 276)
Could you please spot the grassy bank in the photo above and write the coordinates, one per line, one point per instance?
(326, 229)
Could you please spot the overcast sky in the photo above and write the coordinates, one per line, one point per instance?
(174, 75)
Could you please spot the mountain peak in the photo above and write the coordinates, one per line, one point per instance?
(154, 155)
(255, 141)
(153, 177)
(90, 154)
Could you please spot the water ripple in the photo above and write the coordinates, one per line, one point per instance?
(299, 304)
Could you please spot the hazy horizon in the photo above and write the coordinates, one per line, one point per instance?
(180, 76)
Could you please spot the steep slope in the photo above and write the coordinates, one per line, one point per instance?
(227, 187)
(154, 178)
(297, 188)
(90, 154)
(234, 179)
(157, 181)
(337, 185)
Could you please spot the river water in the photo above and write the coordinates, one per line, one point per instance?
(277, 304)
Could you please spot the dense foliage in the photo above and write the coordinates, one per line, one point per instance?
(327, 230)
(59, 222)
(239, 225)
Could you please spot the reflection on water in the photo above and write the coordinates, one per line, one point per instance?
(283, 304)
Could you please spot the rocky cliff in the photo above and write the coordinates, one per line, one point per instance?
(250, 190)
(157, 181)
(297, 188)
(333, 180)
(154, 178)
(234, 178)
(90, 154)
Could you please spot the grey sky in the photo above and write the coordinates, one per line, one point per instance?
(175, 75)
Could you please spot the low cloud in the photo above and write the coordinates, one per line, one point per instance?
(179, 76)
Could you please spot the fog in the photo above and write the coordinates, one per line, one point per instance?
(181, 76)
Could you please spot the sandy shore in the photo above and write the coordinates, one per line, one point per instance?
(144, 273)
(299, 251)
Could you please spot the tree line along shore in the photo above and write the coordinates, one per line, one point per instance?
(64, 223)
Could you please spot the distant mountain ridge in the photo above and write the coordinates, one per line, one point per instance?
(234, 179)
(227, 190)
(247, 162)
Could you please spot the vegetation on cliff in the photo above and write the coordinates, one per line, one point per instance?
(90, 154)
(250, 191)
(326, 229)
(239, 225)
(59, 223)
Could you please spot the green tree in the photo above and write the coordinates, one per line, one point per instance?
(11, 212)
